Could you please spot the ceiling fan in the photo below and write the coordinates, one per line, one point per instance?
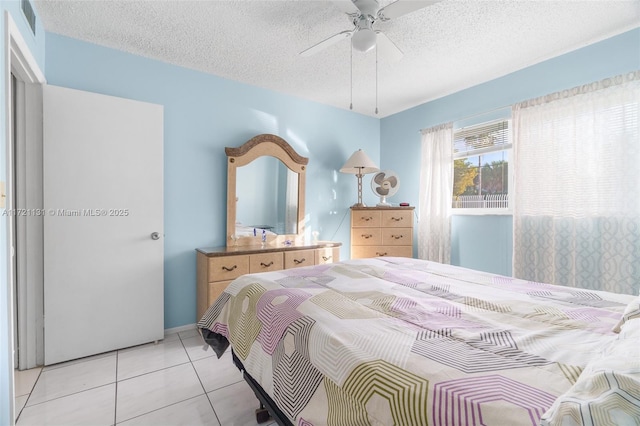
(364, 14)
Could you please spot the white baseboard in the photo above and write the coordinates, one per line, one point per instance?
(179, 329)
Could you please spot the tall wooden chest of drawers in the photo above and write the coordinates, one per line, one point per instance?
(381, 231)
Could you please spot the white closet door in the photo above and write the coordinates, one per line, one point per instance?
(103, 186)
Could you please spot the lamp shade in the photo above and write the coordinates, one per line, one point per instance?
(359, 163)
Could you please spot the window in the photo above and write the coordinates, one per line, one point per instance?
(481, 170)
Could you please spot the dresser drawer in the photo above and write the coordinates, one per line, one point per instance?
(227, 267)
(215, 290)
(366, 236)
(216, 268)
(327, 255)
(397, 218)
(397, 236)
(298, 258)
(360, 252)
(265, 262)
(365, 218)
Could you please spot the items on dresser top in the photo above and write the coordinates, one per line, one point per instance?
(381, 231)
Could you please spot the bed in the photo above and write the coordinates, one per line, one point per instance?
(398, 341)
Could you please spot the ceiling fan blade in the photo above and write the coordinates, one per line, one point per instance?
(401, 7)
(327, 42)
(387, 49)
(346, 6)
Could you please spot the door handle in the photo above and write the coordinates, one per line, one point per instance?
(155, 236)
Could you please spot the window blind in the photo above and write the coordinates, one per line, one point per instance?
(486, 137)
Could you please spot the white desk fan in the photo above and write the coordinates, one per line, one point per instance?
(384, 184)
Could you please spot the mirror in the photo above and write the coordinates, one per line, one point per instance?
(266, 197)
(265, 193)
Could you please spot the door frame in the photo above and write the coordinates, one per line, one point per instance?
(21, 176)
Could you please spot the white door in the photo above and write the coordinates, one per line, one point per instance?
(103, 224)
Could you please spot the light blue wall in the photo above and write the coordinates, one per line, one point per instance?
(485, 242)
(36, 46)
(482, 242)
(202, 115)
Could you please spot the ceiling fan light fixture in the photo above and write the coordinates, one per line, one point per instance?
(364, 40)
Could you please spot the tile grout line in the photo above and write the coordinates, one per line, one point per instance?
(67, 395)
(60, 397)
(115, 402)
(167, 368)
(28, 395)
(158, 409)
(75, 362)
(201, 384)
(155, 371)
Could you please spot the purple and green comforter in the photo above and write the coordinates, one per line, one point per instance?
(397, 341)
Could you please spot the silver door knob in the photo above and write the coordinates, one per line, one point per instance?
(155, 235)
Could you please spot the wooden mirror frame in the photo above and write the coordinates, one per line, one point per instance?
(258, 146)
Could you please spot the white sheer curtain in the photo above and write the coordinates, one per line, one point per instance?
(436, 189)
(577, 187)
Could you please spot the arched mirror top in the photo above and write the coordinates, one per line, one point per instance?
(266, 144)
(265, 193)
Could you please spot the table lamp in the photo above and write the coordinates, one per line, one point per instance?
(359, 164)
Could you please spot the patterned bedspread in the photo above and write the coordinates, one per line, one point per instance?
(396, 341)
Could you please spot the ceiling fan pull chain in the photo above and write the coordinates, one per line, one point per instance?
(376, 80)
(351, 76)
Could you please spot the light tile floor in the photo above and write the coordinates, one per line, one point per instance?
(173, 382)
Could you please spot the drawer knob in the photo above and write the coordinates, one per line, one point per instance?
(266, 265)
(367, 236)
(229, 269)
(325, 258)
(366, 219)
(297, 262)
(397, 219)
(397, 237)
(381, 254)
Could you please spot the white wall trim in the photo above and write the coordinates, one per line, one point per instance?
(24, 164)
(19, 60)
(15, 45)
(180, 329)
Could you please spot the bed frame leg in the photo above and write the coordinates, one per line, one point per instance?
(262, 414)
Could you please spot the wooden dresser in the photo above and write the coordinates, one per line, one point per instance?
(218, 266)
(381, 231)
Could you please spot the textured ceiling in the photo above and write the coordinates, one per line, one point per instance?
(448, 46)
